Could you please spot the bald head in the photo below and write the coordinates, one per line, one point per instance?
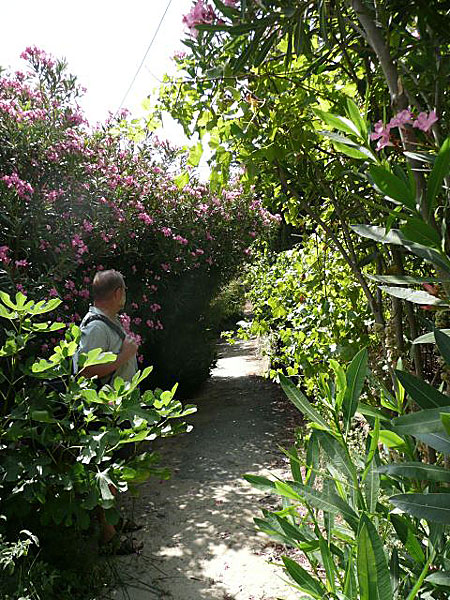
(105, 284)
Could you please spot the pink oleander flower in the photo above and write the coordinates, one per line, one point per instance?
(21, 263)
(53, 293)
(145, 218)
(230, 3)
(381, 133)
(22, 188)
(201, 13)
(424, 122)
(165, 267)
(155, 307)
(404, 117)
(87, 226)
(166, 231)
(4, 255)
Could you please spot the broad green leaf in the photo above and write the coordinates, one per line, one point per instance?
(284, 489)
(414, 296)
(96, 357)
(356, 374)
(359, 152)
(440, 578)
(337, 122)
(423, 421)
(420, 232)
(182, 180)
(262, 483)
(301, 402)
(393, 187)
(379, 234)
(42, 416)
(370, 411)
(356, 118)
(428, 338)
(336, 454)
(195, 154)
(6, 299)
(424, 394)
(443, 344)
(104, 481)
(431, 507)
(406, 534)
(416, 470)
(445, 419)
(391, 439)
(328, 502)
(439, 441)
(403, 279)
(438, 173)
(44, 306)
(373, 573)
(303, 579)
(372, 487)
(328, 564)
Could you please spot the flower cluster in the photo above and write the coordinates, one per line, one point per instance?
(200, 14)
(96, 200)
(382, 132)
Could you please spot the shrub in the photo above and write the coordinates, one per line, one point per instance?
(305, 301)
(76, 200)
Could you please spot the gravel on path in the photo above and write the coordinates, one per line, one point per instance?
(200, 542)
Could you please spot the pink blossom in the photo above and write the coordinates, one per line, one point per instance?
(137, 321)
(166, 231)
(22, 188)
(87, 226)
(21, 263)
(134, 305)
(165, 267)
(201, 13)
(53, 292)
(424, 121)
(381, 133)
(150, 323)
(231, 3)
(155, 307)
(142, 216)
(404, 117)
(4, 254)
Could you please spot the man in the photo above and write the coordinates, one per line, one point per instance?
(101, 328)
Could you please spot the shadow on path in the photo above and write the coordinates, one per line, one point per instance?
(200, 539)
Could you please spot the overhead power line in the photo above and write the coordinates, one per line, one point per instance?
(145, 55)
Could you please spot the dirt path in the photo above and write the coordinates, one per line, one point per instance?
(200, 539)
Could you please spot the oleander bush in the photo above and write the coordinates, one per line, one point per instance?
(75, 200)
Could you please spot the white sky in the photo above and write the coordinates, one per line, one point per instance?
(103, 41)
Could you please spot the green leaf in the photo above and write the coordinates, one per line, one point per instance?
(182, 180)
(440, 170)
(395, 236)
(443, 344)
(391, 439)
(428, 338)
(261, 483)
(359, 152)
(423, 421)
(42, 416)
(96, 357)
(419, 231)
(416, 470)
(195, 154)
(431, 507)
(303, 579)
(393, 187)
(424, 394)
(406, 534)
(337, 455)
(327, 501)
(403, 279)
(328, 564)
(337, 122)
(356, 118)
(440, 578)
(372, 487)
(373, 573)
(414, 296)
(356, 374)
(439, 441)
(301, 402)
